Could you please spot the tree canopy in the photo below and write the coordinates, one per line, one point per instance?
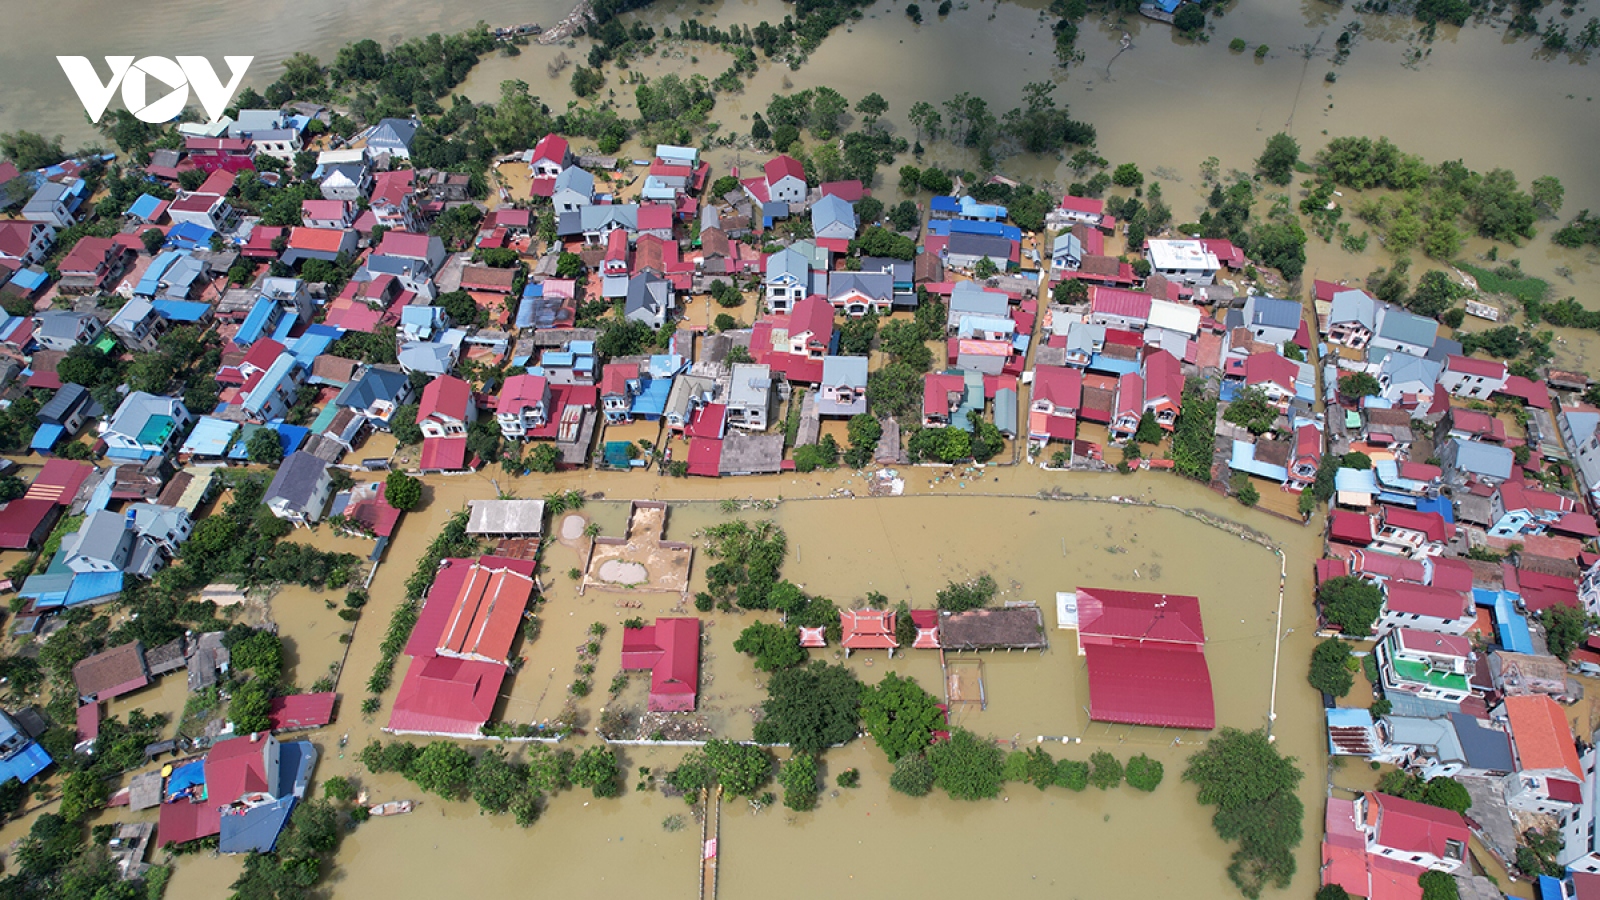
(811, 708)
(1330, 668)
(1252, 786)
(773, 646)
(900, 715)
(967, 767)
(1350, 603)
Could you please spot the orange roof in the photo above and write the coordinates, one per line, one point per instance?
(487, 612)
(1542, 736)
(328, 240)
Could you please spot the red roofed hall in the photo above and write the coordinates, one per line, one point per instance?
(1146, 658)
(446, 697)
(867, 629)
(670, 649)
(487, 613)
(300, 711)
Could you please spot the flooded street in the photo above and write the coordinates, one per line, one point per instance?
(1036, 844)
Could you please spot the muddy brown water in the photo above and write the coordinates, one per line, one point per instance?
(1036, 844)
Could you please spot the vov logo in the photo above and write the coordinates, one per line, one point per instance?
(178, 76)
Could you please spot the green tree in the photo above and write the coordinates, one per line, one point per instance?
(1190, 19)
(1144, 773)
(1072, 774)
(544, 457)
(153, 240)
(597, 770)
(442, 768)
(1332, 892)
(1331, 668)
(1127, 175)
(1548, 193)
(904, 216)
(249, 709)
(966, 766)
(984, 268)
(1252, 410)
(773, 646)
(900, 716)
(569, 265)
(549, 768)
(339, 788)
(496, 782)
(1253, 789)
(1149, 431)
(1069, 292)
(258, 651)
(403, 425)
(1105, 771)
(1565, 628)
(1438, 886)
(82, 792)
(402, 491)
(811, 708)
(960, 596)
(264, 447)
(1350, 603)
(1276, 163)
(912, 776)
(30, 150)
(1359, 384)
(798, 776)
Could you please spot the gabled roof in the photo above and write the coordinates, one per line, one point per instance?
(553, 147)
(296, 480)
(831, 209)
(867, 629)
(782, 166)
(1270, 368)
(1140, 617)
(487, 614)
(1430, 524)
(1420, 599)
(670, 649)
(1541, 734)
(1407, 825)
(1404, 327)
(1118, 302)
(1466, 365)
(1353, 306)
(521, 392)
(446, 395)
(1061, 385)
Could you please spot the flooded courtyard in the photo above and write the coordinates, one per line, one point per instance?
(907, 548)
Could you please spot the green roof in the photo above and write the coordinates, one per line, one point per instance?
(106, 344)
(156, 430)
(1410, 670)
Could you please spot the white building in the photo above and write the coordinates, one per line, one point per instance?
(1186, 261)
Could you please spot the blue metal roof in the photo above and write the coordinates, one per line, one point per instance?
(285, 325)
(1510, 625)
(271, 380)
(90, 587)
(30, 279)
(943, 203)
(181, 310)
(260, 318)
(1102, 363)
(292, 436)
(190, 235)
(313, 343)
(46, 437)
(210, 437)
(1360, 481)
(651, 401)
(24, 765)
(1440, 505)
(145, 206)
(1244, 460)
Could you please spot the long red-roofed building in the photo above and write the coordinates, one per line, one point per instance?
(487, 613)
(1146, 658)
(670, 649)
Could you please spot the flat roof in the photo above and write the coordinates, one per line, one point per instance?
(506, 517)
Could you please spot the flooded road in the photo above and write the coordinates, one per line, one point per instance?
(1035, 844)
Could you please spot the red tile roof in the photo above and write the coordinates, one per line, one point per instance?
(1483, 368)
(1061, 385)
(614, 377)
(670, 649)
(867, 629)
(1541, 734)
(325, 240)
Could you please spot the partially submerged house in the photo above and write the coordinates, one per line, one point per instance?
(670, 650)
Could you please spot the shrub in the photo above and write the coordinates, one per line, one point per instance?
(1144, 773)
(913, 776)
(1072, 774)
(1105, 771)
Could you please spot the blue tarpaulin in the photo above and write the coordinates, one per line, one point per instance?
(181, 310)
(23, 766)
(186, 776)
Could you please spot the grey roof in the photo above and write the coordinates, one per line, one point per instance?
(45, 197)
(100, 535)
(1354, 306)
(65, 402)
(1478, 458)
(849, 371)
(648, 293)
(990, 245)
(422, 356)
(829, 210)
(1582, 422)
(1435, 736)
(251, 121)
(573, 178)
(1005, 411)
(899, 269)
(751, 385)
(505, 517)
(153, 518)
(1067, 243)
(1262, 311)
(970, 297)
(1396, 324)
(1402, 369)
(372, 385)
(791, 263)
(132, 313)
(622, 215)
(1483, 747)
(877, 285)
(296, 480)
(138, 407)
(752, 454)
(393, 131)
(61, 324)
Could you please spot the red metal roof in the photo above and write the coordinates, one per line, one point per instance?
(552, 147)
(705, 457)
(1466, 365)
(708, 421)
(1331, 568)
(1431, 524)
(446, 395)
(486, 615)
(614, 377)
(1386, 565)
(1417, 471)
(1270, 368)
(1130, 395)
(1451, 574)
(59, 481)
(87, 255)
(1061, 385)
(1149, 685)
(404, 244)
(1086, 205)
(445, 454)
(780, 166)
(1350, 528)
(655, 217)
(301, 711)
(21, 519)
(868, 629)
(446, 696)
(324, 240)
(1119, 302)
(1138, 617)
(848, 191)
(1420, 599)
(670, 649)
(183, 821)
(237, 768)
(522, 391)
(1533, 393)
(1415, 827)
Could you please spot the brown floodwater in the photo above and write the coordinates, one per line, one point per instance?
(906, 548)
